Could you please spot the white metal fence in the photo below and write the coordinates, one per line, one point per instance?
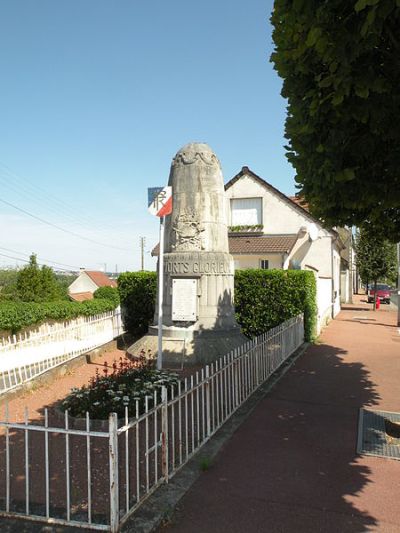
(87, 474)
(25, 356)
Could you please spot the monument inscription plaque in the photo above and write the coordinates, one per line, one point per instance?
(184, 300)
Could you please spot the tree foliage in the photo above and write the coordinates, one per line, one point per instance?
(376, 257)
(36, 284)
(107, 293)
(340, 62)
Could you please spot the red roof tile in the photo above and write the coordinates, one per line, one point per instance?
(255, 244)
(261, 244)
(100, 278)
(300, 201)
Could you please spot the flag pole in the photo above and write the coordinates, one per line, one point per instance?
(160, 292)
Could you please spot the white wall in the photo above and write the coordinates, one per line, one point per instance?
(253, 261)
(83, 283)
(324, 301)
(278, 217)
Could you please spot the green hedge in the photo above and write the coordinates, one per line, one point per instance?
(16, 316)
(107, 293)
(137, 291)
(263, 299)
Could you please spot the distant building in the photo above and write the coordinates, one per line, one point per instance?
(87, 283)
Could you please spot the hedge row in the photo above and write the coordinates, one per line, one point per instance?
(16, 316)
(137, 291)
(266, 298)
(263, 299)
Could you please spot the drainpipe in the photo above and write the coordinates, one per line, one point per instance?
(285, 261)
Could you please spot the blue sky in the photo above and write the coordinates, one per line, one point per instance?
(96, 98)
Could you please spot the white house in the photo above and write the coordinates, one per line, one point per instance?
(87, 283)
(271, 230)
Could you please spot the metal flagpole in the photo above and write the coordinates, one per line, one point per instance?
(160, 292)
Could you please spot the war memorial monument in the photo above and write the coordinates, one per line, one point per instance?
(199, 322)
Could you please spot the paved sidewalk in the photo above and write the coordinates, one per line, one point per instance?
(292, 466)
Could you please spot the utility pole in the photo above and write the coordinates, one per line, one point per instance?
(142, 245)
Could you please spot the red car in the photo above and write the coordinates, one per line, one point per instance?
(382, 292)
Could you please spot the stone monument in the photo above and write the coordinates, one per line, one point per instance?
(198, 315)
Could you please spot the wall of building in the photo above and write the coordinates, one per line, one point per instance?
(324, 301)
(253, 261)
(83, 283)
(278, 217)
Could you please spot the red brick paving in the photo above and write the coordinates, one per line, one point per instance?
(292, 466)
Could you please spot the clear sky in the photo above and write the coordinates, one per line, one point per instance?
(97, 96)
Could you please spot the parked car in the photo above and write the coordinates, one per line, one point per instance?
(382, 292)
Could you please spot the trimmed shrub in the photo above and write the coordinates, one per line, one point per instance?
(15, 316)
(263, 299)
(137, 291)
(107, 293)
(266, 298)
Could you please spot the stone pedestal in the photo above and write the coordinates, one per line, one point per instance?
(199, 322)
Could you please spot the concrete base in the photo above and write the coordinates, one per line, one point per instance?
(198, 347)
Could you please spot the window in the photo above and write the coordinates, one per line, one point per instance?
(246, 211)
(264, 263)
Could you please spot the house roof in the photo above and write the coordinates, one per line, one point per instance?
(255, 244)
(81, 296)
(293, 201)
(300, 201)
(100, 278)
(261, 244)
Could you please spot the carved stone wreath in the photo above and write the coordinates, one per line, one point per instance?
(187, 230)
(191, 157)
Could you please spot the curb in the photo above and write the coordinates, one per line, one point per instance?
(161, 504)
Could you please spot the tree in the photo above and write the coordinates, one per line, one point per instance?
(8, 279)
(37, 285)
(107, 293)
(375, 256)
(340, 64)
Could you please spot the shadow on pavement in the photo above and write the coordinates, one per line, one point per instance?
(292, 466)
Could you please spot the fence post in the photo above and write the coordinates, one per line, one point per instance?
(113, 456)
(164, 434)
(208, 410)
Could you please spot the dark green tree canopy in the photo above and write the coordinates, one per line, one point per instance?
(36, 284)
(376, 257)
(340, 64)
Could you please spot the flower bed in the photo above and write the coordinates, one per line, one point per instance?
(124, 384)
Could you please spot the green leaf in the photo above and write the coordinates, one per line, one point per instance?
(362, 92)
(360, 5)
(313, 35)
(337, 99)
(326, 82)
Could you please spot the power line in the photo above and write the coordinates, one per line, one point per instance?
(26, 261)
(34, 190)
(62, 229)
(43, 258)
